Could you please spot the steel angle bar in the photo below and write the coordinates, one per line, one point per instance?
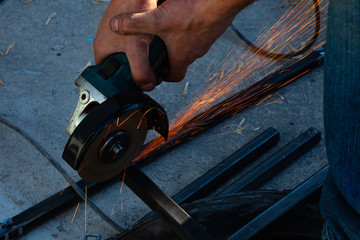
(281, 207)
(164, 206)
(275, 163)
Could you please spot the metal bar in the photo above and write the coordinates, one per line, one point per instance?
(275, 163)
(236, 103)
(163, 205)
(208, 182)
(202, 186)
(61, 200)
(281, 207)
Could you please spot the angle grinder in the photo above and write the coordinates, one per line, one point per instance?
(109, 125)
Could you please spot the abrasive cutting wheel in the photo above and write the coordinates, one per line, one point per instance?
(112, 134)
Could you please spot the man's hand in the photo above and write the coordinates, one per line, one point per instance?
(188, 28)
(135, 46)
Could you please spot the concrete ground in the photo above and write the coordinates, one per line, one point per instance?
(39, 96)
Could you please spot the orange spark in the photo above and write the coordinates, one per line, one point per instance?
(295, 26)
(77, 172)
(113, 209)
(85, 205)
(122, 182)
(143, 116)
(109, 130)
(77, 207)
(118, 125)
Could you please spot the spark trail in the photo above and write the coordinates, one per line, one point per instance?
(295, 27)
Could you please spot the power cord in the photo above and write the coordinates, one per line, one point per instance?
(279, 56)
(72, 183)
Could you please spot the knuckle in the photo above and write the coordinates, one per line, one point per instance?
(158, 22)
(127, 24)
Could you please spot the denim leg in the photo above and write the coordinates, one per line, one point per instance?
(341, 193)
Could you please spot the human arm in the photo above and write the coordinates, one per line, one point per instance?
(188, 28)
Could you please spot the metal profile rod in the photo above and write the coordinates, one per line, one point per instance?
(24, 221)
(275, 163)
(164, 206)
(30, 217)
(213, 178)
(281, 207)
(237, 102)
(205, 184)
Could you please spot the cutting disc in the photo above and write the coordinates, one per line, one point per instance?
(114, 147)
(111, 135)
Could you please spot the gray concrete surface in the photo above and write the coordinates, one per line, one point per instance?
(39, 96)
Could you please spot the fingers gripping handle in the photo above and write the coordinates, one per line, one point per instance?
(113, 75)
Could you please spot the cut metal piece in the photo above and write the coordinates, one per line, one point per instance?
(224, 170)
(164, 206)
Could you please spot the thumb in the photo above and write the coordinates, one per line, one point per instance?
(136, 23)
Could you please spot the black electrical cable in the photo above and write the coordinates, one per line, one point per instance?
(72, 183)
(278, 56)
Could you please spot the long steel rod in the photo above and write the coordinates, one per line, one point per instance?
(281, 207)
(237, 161)
(238, 102)
(60, 200)
(212, 179)
(30, 217)
(275, 163)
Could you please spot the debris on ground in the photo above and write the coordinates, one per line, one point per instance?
(185, 92)
(51, 16)
(240, 127)
(212, 77)
(57, 47)
(239, 66)
(1, 83)
(222, 73)
(269, 44)
(27, 2)
(11, 45)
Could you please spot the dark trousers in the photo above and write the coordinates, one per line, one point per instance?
(341, 193)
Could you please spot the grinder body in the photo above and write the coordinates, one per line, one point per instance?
(109, 124)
